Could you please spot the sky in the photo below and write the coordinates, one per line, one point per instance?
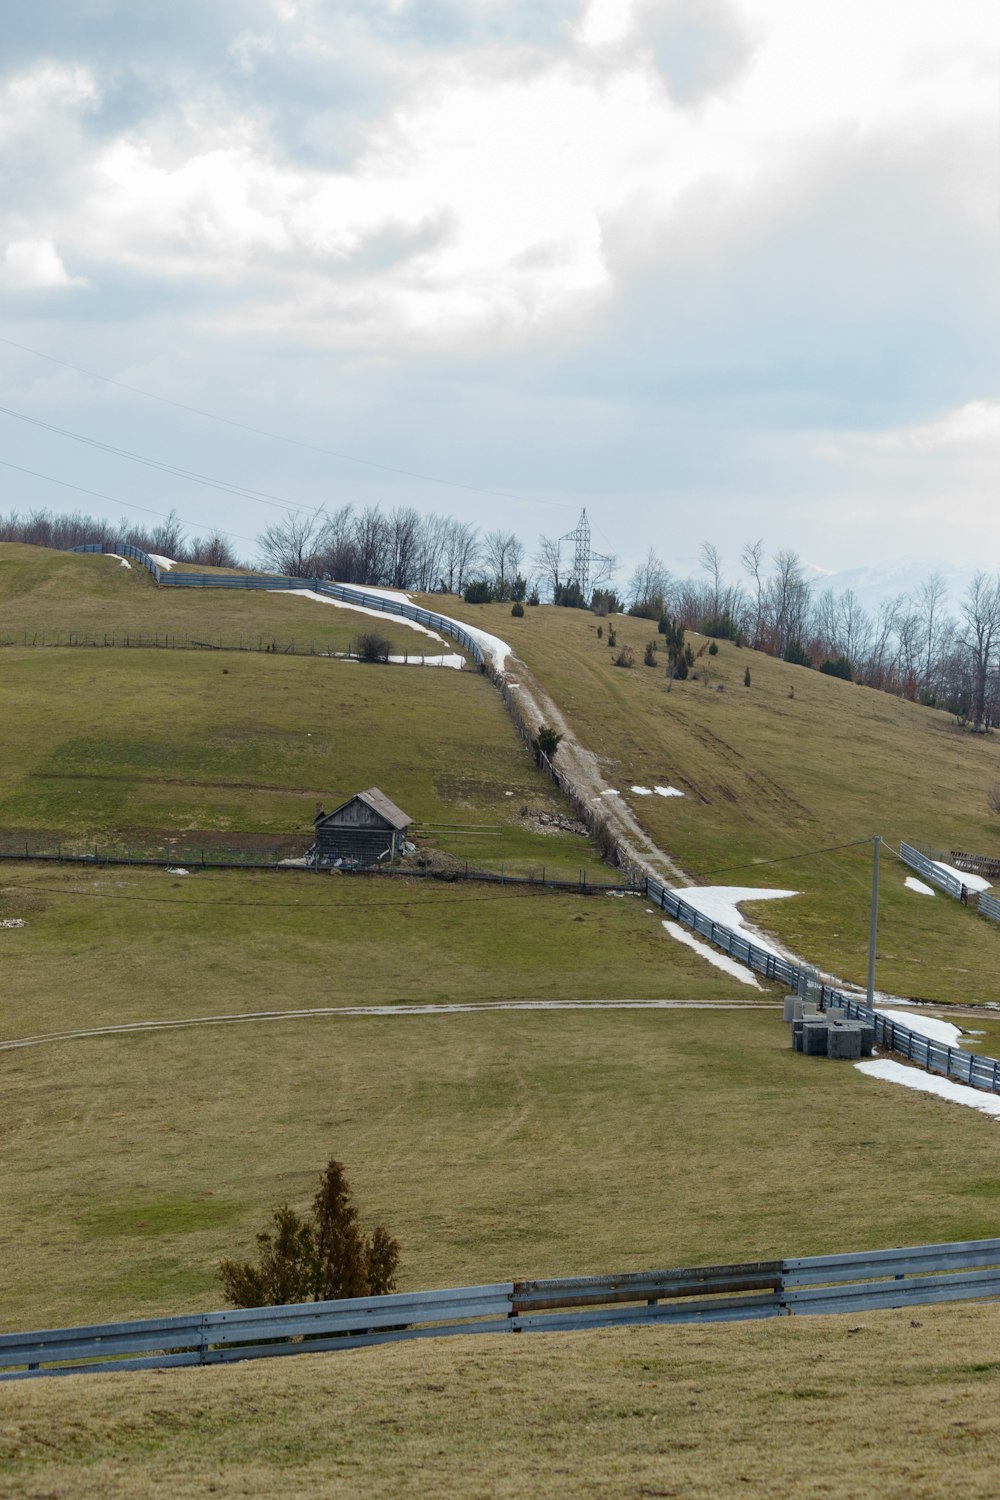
(713, 269)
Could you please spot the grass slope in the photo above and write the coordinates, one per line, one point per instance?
(796, 762)
(899, 1407)
(494, 1144)
(43, 592)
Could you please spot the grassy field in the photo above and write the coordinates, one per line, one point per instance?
(145, 747)
(42, 592)
(796, 762)
(492, 1143)
(901, 1407)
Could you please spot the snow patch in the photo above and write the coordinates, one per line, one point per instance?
(166, 563)
(13, 922)
(667, 791)
(928, 1083)
(720, 903)
(720, 960)
(971, 882)
(642, 791)
(123, 560)
(360, 609)
(930, 1026)
(913, 884)
(177, 870)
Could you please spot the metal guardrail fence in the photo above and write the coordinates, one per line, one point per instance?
(275, 582)
(931, 871)
(989, 906)
(905, 1277)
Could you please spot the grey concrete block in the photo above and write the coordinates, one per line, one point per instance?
(797, 1036)
(844, 1041)
(791, 1001)
(814, 1035)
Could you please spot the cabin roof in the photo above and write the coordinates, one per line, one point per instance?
(379, 803)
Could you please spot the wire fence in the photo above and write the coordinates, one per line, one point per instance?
(171, 641)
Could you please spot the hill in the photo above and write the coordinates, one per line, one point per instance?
(775, 773)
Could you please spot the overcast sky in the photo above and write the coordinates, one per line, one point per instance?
(718, 269)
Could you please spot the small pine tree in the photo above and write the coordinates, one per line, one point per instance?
(713, 649)
(517, 609)
(546, 741)
(600, 632)
(746, 677)
(649, 659)
(612, 637)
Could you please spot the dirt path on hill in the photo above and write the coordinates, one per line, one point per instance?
(580, 768)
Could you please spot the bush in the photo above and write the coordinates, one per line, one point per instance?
(478, 592)
(372, 647)
(625, 657)
(839, 668)
(797, 654)
(546, 741)
(746, 677)
(713, 649)
(517, 609)
(649, 658)
(600, 632)
(533, 599)
(612, 637)
(314, 1259)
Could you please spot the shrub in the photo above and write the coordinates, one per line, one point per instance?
(478, 592)
(533, 599)
(713, 649)
(839, 668)
(519, 589)
(625, 657)
(372, 647)
(546, 741)
(600, 632)
(797, 654)
(612, 636)
(517, 609)
(649, 658)
(314, 1259)
(746, 677)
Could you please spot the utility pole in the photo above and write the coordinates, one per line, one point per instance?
(874, 925)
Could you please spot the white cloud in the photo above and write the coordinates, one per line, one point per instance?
(36, 265)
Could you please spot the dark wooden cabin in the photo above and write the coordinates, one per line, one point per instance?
(364, 830)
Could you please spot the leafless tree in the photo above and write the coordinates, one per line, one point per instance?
(711, 563)
(981, 615)
(548, 560)
(648, 585)
(752, 558)
(502, 554)
(293, 545)
(212, 551)
(461, 554)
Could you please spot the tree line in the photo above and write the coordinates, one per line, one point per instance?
(912, 645)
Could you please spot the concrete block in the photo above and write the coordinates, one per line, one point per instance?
(814, 1035)
(797, 1036)
(867, 1039)
(791, 1001)
(844, 1041)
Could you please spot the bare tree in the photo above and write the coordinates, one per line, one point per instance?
(371, 545)
(502, 553)
(293, 546)
(212, 551)
(461, 553)
(981, 614)
(648, 586)
(548, 560)
(752, 558)
(403, 536)
(711, 563)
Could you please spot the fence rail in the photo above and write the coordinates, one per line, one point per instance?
(989, 906)
(905, 1277)
(932, 871)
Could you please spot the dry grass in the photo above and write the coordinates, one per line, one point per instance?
(768, 776)
(42, 591)
(899, 1406)
(494, 1145)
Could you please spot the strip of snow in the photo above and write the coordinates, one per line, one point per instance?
(177, 870)
(359, 609)
(166, 563)
(13, 922)
(667, 791)
(609, 792)
(719, 960)
(930, 1026)
(642, 791)
(458, 662)
(913, 884)
(971, 882)
(123, 560)
(929, 1083)
(720, 903)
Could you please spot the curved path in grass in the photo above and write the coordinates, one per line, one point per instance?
(401, 1011)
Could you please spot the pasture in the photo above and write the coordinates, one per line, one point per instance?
(803, 1409)
(798, 762)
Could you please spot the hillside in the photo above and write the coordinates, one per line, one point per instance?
(796, 762)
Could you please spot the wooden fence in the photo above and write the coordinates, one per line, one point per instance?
(897, 1278)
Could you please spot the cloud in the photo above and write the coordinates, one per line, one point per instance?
(35, 265)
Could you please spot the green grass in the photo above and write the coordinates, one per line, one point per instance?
(139, 747)
(494, 1144)
(790, 1409)
(768, 777)
(43, 592)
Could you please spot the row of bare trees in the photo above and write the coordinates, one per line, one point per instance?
(41, 528)
(910, 645)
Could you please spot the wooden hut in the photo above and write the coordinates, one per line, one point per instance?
(362, 831)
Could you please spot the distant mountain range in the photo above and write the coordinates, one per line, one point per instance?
(873, 584)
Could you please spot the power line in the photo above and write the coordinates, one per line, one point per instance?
(261, 496)
(127, 504)
(784, 859)
(278, 437)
